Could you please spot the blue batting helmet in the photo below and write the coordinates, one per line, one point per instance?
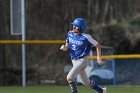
(81, 23)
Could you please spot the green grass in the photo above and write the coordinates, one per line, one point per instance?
(66, 89)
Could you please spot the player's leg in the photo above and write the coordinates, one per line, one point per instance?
(77, 67)
(89, 83)
(84, 78)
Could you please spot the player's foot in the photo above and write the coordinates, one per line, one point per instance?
(104, 90)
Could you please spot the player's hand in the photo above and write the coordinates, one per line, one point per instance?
(99, 61)
(64, 48)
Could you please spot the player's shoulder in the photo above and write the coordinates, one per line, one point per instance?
(90, 39)
(86, 35)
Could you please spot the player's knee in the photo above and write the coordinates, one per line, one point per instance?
(69, 79)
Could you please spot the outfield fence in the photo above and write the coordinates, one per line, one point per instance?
(12, 42)
(45, 63)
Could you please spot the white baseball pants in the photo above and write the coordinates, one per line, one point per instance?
(79, 69)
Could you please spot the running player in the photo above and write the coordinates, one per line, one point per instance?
(80, 45)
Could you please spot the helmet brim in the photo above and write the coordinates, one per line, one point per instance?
(75, 24)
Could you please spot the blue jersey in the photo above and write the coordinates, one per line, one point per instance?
(80, 44)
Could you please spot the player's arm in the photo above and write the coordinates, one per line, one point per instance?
(64, 47)
(98, 50)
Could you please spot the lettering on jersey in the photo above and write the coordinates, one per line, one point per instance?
(70, 35)
(75, 41)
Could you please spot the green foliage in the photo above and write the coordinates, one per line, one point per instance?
(135, 21)
(123, 35)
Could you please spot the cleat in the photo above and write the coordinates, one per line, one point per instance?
(104, 90)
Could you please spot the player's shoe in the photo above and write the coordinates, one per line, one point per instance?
(104, 90)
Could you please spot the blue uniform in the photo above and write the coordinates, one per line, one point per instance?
(80, 44)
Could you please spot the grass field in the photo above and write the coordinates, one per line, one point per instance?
(65, 89)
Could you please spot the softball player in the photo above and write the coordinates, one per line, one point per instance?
(80, 45)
